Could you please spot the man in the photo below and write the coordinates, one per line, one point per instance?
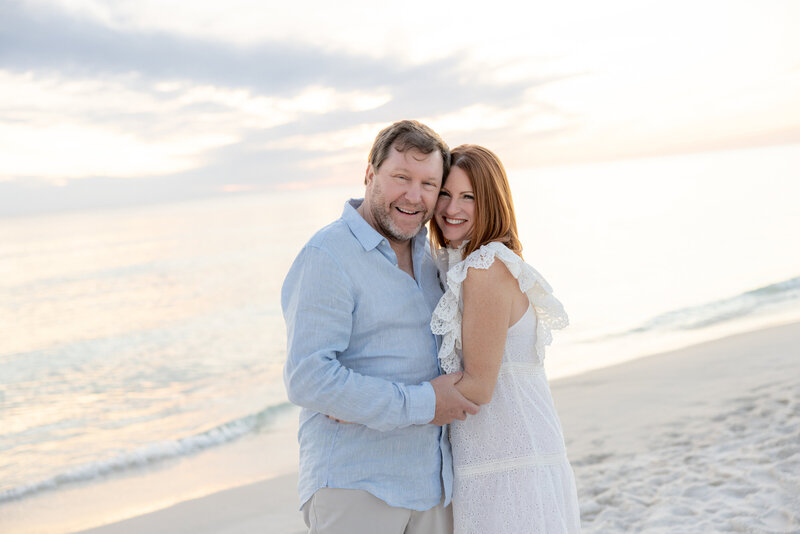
(357, 302)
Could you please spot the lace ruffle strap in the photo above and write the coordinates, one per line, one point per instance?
(446, 320)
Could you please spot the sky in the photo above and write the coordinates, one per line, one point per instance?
(107, 103)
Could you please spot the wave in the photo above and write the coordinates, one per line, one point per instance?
(719, 311)
(154, 453)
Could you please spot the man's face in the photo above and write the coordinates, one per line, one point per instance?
(401, 195)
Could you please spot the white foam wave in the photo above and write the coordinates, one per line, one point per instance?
(152, 453)
(696, 317)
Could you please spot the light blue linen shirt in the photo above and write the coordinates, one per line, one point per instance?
(360, 349)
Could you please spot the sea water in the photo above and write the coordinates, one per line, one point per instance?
(141, 349)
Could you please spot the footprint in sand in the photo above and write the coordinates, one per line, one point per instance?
(778, 520)
(592, 459)
(738, 491)
(697, 491)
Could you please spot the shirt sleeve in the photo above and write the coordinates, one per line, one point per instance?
(318, 303)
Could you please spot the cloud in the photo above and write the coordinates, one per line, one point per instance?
(55, 41)
(255, 171)
(49, 40)
(193, 114)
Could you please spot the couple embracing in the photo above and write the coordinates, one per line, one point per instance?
(417, 363)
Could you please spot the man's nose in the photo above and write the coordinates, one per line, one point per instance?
(414, 193)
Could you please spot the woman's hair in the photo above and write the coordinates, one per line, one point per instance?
(494, 209)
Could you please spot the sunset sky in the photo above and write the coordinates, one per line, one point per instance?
(104, 103)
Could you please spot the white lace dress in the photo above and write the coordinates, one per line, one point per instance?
(511, 469)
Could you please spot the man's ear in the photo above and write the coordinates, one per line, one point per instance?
(369, 175)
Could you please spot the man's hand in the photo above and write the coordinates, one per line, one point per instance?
(339, 420)
(450, 404)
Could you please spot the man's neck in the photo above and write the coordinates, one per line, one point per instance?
(405, 259)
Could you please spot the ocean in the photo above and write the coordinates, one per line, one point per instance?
(141, 348)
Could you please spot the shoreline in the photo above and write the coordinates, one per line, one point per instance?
(266, 506)
(674, 410)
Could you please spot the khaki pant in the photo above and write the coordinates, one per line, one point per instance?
(348, 511)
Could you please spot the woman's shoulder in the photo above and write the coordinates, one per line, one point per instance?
(484, 258)
(481, 263)
(481, 267)
(495, 257)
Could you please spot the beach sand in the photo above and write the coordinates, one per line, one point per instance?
(703, 439)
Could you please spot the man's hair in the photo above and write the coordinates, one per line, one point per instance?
(494, 218)
(404, 135)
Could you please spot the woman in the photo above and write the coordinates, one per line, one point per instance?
(511, 470)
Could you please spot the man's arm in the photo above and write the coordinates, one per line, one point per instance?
(450, 403)
(318, 304)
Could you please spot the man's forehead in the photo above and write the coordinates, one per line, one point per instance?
(413, 155)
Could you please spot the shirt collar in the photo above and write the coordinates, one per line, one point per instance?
(368, 236)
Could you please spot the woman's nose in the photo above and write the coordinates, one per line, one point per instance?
(452, 206)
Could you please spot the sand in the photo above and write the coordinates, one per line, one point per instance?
(268, 506)
(703, 439)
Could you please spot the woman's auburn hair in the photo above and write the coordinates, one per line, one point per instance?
(494, 218)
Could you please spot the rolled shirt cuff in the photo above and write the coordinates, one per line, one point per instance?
(422, 403)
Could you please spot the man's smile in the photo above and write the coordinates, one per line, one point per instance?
(407, 211)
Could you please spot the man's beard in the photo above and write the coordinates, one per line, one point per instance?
(386, 224)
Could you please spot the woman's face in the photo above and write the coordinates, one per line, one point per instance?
(455, 209)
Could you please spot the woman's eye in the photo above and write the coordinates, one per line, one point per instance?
(444, 194)
(469, 197)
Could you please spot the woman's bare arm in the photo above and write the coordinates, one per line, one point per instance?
(488, 298)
